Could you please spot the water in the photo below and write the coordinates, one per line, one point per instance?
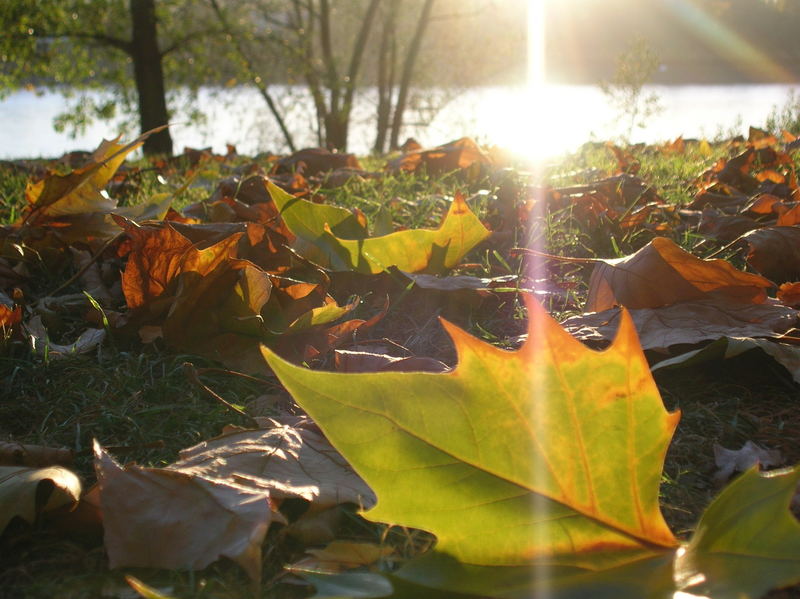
(568, 115)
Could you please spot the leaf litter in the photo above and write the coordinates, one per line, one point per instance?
(268, 260)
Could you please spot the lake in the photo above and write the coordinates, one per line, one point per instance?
(548, 122)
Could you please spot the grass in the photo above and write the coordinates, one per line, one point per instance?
(138, 401)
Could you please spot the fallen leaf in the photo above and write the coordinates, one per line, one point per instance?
(163, 518)
(40, 341)
(731, 461)
(687, 322)
(484, 453)
(538, 471)
(786, 355)
(460, 154)
(338, 556)
(789, 294)
(661, 273)
(27, 492)
(775, 252)
(418, 250)
(284, 461)
(747, 541)
(19, 454)
(312, 161)
(362, 361)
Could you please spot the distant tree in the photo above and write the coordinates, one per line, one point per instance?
(136, 50)
(326, 46)
(390, 113)
(635, 67)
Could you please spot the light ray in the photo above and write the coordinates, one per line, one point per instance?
(536, 116)
(729, 44)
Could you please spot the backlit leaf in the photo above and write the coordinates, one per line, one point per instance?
(747, 541)
(513, 458)
(418, 250)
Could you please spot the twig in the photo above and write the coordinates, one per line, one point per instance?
(247, 377)
(85, 267)
(517, 251)
(191, 374)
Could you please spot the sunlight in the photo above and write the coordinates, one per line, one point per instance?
(534, 123)
(745, 55)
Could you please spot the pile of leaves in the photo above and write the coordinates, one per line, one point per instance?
(533, 462)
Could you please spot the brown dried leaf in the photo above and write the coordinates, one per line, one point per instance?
(789, 294)
(18, 454)
(362, 361)
(731, 461)
(461, 154)
(661, 273)
(26, 492)
(687, 322)
(164, 518)
(312, 161)
(40, 342)
(284, 461)
(775, 252)
(343, 555)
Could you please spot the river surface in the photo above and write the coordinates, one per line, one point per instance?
(544, 122)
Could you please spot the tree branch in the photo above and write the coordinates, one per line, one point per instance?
(200, 33)
(259, 83)
(107, 40)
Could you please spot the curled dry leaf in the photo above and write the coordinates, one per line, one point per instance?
(688, 322)
(786, 355)
(662, 273)
(40, 342)
(775, 252)
(460, 154)
(731, 461)
(26, 492)
(789, 294)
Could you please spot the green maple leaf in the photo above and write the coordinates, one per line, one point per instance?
(538, 470)
(334, 238)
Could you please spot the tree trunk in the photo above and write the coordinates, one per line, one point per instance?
(408, 71)
(387, 56)
(149, 76)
